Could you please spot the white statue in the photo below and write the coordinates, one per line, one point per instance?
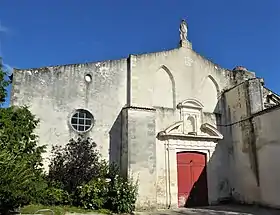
(183, 30)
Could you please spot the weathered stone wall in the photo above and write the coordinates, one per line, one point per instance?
(270, 98)
(53, 93)
(242, 102)
(140, 153)
(164, 118)
(266, 128)
(162, 80)
(166, 78)
(254, 153)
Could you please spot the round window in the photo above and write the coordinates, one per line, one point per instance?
(82, 120)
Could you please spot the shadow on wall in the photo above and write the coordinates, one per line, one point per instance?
(197, 195)
(214, 177)
(211, 178)
(116, 141)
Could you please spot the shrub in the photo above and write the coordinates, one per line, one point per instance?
(91, 182)
(93, 195)
(117, 195)
(122, 195)
(19, 184)
(76, 164)
(54, 196)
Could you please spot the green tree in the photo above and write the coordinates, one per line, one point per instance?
(4, 82)
(17, 135)
(20, 157)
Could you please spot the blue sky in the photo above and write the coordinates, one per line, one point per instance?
(228, 32)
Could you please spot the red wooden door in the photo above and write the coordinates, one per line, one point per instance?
(192, 179)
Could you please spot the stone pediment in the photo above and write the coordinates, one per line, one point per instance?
(190, 103)
(207, 131)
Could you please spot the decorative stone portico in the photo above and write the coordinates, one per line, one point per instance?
(189, 134)
(191, 125)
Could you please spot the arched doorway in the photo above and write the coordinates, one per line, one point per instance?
(192, 179)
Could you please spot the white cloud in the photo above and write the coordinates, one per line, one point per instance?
(3, 28)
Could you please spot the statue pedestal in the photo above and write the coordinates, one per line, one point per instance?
(185, 44)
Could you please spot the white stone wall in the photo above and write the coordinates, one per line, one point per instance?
(243, 180)
(163, 80)
(166, 78)
(268, 150)
(243, 102)
(53, 93)
(140, 156)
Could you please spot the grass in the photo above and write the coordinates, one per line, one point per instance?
(59, 210)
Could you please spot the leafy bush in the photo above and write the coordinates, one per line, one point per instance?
(117, 195)
(19, 184)
(54, 196)
(93, 195)
(76, 164)
(89, 179)
(17, 125)
(122, 195)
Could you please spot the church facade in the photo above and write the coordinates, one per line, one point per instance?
(177, 122)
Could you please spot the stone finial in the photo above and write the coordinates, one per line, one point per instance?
(183, 30)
